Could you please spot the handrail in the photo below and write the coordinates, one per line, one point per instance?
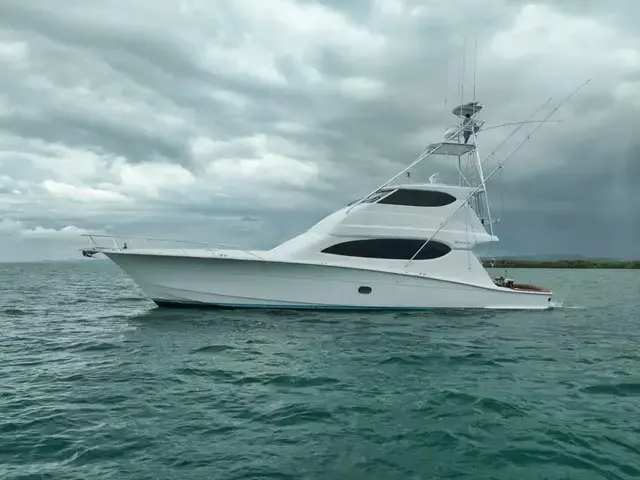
(106, 235)
(124, 238)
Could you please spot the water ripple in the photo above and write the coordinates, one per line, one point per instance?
(106, 386)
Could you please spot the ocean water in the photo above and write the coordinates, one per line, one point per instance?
(97, 383)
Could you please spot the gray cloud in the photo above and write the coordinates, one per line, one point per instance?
(87, 132)
(186, 119)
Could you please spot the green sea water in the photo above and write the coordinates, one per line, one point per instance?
(97, 383)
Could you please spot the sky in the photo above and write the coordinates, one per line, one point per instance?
(245, 122)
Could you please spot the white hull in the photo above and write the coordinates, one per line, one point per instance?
(252, 283)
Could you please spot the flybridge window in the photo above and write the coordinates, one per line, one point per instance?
(389, 248)
(418, 198)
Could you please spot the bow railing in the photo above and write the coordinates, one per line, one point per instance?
(118, 242)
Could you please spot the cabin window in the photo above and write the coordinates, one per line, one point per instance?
(418, 198)
(389, 248)
(364, 290)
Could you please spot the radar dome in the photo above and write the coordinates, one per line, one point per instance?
(450, 131)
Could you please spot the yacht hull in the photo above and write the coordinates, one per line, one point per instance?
(241, 283)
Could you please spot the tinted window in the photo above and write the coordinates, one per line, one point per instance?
(418, 198)
(389, 248)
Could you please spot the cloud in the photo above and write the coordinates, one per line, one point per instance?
(181, 118)
(87, 194)
(70, 232)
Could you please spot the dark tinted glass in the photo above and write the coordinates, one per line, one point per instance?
(418, 198)
(389, 248)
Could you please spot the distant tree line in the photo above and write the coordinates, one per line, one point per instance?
(488, 263)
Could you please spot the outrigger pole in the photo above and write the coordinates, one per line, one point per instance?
(500, 164)
(480, 163)
(518, 128)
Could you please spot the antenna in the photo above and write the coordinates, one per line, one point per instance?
(464, 51)
(475, 57)
(446, 82)
(458, 90)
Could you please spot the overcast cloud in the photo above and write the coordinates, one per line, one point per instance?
(246, 121)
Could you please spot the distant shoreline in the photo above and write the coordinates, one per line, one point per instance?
(585, 264)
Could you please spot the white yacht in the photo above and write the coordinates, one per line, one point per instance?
(404, 246)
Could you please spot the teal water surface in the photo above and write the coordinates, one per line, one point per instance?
(97, 383)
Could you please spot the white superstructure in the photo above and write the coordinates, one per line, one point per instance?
(403, 246)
